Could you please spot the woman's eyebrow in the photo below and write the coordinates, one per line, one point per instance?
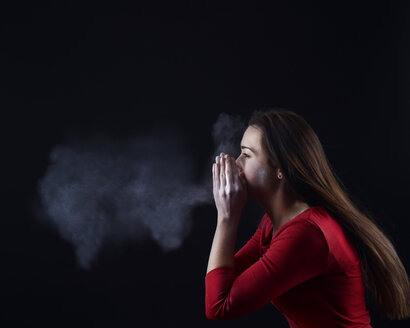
(249, 149)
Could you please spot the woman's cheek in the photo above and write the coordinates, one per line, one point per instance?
(256, 175)
(261, 175)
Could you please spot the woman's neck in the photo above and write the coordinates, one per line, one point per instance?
(282, 207)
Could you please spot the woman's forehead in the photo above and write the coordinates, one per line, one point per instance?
(252, 137)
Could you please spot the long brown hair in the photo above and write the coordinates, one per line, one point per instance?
(293, 146)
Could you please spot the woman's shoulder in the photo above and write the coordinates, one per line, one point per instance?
(340, 246)
(316, 216)
(317, 221)
(330, 227)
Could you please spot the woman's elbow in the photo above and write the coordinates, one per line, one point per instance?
(216, 313)
(211, 314)
(214, 316)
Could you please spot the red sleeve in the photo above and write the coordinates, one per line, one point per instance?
(298, 253)
(250, 252)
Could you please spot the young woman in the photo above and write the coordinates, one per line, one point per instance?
(314, 253)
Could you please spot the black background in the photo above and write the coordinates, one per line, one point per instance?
(117, 68)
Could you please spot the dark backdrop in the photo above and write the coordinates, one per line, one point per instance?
(118, 68)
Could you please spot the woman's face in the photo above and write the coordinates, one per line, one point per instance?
(253, 164)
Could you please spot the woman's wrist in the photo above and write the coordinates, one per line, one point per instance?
(223, 245)
(228, 219)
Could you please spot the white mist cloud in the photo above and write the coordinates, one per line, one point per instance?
(97, 189)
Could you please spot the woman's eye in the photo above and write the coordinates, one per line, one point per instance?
(245, 155)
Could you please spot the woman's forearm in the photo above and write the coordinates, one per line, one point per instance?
(223, 244)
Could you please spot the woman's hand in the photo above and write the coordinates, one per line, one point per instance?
(229, 188)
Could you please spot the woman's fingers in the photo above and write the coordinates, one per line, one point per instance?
(216, 173)
(228, 171)
(225, 173)
(213, 174)
(235, 172)
(222, 178)
(232, 172)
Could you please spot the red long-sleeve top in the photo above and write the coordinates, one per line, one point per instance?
(309, 270)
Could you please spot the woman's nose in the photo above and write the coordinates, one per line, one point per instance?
(238, 163)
